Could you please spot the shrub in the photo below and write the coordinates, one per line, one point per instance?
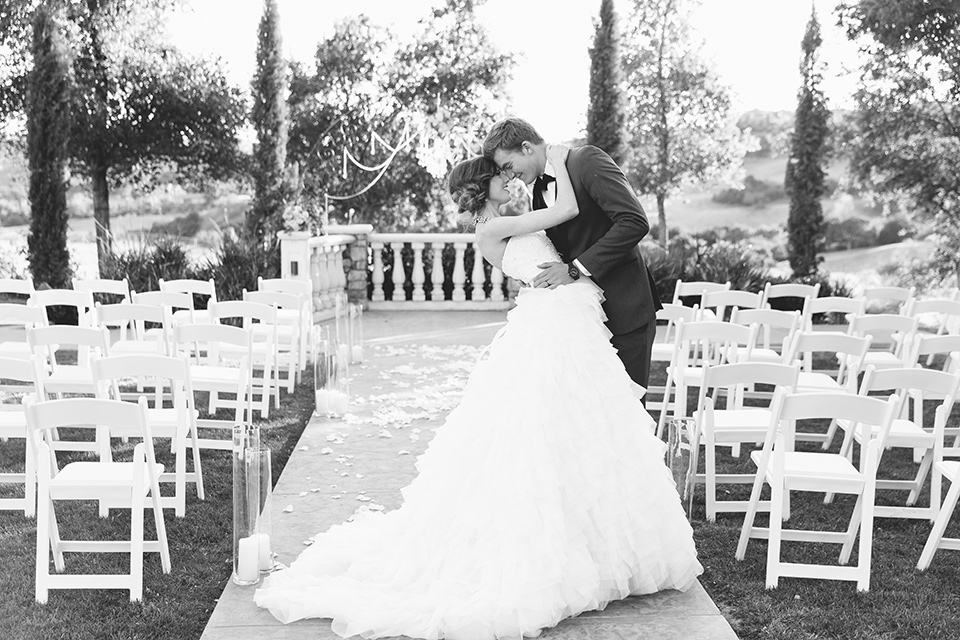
(849, 233)
(755, 193)
(664, 268)
(147, 261)
(237, 263)
(184, 226)
(893, 231)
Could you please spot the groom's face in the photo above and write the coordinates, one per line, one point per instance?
(524, 163)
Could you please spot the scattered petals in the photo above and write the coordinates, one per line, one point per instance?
(304, 448)
(403, 452)
(288, 508)
(326, 451)
(303, 493)
(358, 476)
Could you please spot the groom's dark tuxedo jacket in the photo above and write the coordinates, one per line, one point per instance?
(604, 238)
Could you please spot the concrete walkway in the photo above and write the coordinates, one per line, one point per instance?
(415, 369)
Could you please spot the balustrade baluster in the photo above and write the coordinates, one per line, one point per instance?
(436, 275)
(459, 273)
(325, 300)
(496, 284)
(477, 277)
(399, 277)
(418, 277)
(340, 277)
(316, 277)
(377, 275)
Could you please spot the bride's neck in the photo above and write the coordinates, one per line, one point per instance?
(491, 210)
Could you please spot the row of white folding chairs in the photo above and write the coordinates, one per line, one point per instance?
(220, 358)
(723, 420)
(173, 415)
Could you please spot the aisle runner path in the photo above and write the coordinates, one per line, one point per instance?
(416, 367)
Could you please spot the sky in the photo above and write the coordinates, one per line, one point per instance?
(754, 46)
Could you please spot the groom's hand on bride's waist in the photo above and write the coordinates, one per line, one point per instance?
(553, 275)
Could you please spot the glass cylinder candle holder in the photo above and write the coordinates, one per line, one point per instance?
(331, 387)
(252, 550)
(355, 332)
(680, 459)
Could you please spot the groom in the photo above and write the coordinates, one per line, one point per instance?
(600, 242)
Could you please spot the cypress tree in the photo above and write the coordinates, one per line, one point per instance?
(805, 176)
(271, 119)
(605, 115)
(48, 125)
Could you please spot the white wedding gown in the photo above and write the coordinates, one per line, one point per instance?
(543, 495)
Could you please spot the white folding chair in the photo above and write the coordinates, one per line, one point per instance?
(946, 466)
(907, 430)
(202, 288)
(848, 351)
(724, 300)
(60, 377)
(710, 341)
(303, 289)
(261, 320)
(82, 301)
(126, 485)
(775, 330)
(731, 423)
(928, 347)
(131, 321)
(105, 291)
(789, 290)
(19, 317)
(22, 378)
(888, 299)
(17, 286)
(200, 344)
(890, 335)
(177, 422)
(290, 330)
(785, 470)
(839, 307)
(696, 289)
(175, 304)
(943, 311)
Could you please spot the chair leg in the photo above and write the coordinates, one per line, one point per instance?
(30, 486)
(922, 472)
(161, 527)
(54, 532)
(939, 526)
(750, 515)
(136, 545)
(831, 431)
(710, 453)
(180, 475)
(776, 528)
(197, 467)
(43, 548)
(855, 519)
(662, 420)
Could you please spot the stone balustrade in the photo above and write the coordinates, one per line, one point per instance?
(416, 271)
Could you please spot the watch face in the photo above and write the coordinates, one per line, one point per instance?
(573, 272)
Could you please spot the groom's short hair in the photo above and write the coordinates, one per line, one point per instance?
(509, 134)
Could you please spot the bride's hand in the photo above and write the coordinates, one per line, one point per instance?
(557, 153)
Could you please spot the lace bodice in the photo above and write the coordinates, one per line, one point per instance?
(524, 252)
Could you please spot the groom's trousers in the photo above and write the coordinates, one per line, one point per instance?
(635, 348)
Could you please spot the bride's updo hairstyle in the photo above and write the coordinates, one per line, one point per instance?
(469, 184)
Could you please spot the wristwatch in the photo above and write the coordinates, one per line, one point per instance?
(573, 272)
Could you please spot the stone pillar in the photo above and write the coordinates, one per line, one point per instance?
(294, 254)
(355, 259)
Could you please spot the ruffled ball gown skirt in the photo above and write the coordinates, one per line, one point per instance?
(543, 495)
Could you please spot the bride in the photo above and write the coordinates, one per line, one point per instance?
(543, 495)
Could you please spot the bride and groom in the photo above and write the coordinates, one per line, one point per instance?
(545, 493)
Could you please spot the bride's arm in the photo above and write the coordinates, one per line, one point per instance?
(565, 208)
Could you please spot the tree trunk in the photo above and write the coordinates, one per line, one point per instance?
(101, 215)
(662, 219)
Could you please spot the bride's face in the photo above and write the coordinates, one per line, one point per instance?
(497, 191)
(525, 163)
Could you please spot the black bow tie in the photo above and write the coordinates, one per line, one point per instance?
(541, 183)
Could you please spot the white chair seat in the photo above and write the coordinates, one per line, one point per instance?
(662, 351)
(164, 419)
(12, 424)
(212, 375)
(19, 350)
(127, 347)
(804, 469)
(77, 478)
(903, 433)
(949, 468)
(817, 382)
(69, 375)
(740, 421)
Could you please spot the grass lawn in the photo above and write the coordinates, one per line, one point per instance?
(902, 602)
(175, 606)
